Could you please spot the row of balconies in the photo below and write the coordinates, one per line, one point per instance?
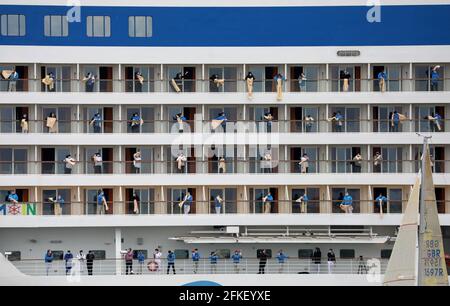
(224, 78)
(205, 200)
(239, 118)
(214, 159)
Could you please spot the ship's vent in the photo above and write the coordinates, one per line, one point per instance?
(348, 53)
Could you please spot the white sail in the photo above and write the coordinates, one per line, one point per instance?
(401, 269)
(432, 269)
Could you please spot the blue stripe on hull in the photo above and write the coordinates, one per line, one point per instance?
(248, 26)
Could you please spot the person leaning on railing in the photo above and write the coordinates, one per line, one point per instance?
(236, 257)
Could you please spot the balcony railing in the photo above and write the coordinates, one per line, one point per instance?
(228, 85)
(150, 126)
(36, 267)
(198, 207)
(218, 167)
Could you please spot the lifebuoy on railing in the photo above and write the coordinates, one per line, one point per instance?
(152, 266)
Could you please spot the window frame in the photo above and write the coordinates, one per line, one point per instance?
(106, 26)
(63, 27)
(148, 28)
(21, 25)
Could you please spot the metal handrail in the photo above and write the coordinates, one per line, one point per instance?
(203, 266)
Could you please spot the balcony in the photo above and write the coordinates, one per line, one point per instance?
(151, 126)
(179, 87)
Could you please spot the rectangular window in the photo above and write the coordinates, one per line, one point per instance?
(140, 26)
(305, 253)
(386, 254)
(98, 26)
(56, 26)
(58, 255)
(15, 256)
(181, 254)
(12, 25)
(136, 253)
(347, 254)
(99, 254)
(268, 253)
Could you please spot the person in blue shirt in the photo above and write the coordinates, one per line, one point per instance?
(267, 202)
(181, 119)
(303, 200)
(339, 121)
(171, 262)
(13, 197)
(59, 205)
(102, 205)
(213, 260)
(68, 259)
(135, 123)
(195, 259)
(434, 75)
(12, 80)
(281, 257)
(382, 78)
(381, 200)
(395, 122)
(90, 81)
(48, 259)
(279, 79)
(268, 118)
(347, 203)
(236, 257)
(96, 123)
(435, 122)
(187, 202)
(141, 260)
(218, 202)
(222, 117)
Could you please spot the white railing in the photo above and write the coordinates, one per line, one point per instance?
(204, 266)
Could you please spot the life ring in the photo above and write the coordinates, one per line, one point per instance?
(152, 266)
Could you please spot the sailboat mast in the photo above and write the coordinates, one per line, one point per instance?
(422, 224)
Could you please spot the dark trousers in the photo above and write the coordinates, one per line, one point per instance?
(97, 129)
(89, 267)
(338, 128)
(356, 168)
(67, 170)
(171, 264)
(128, 267)
(434, 86)
(97, 169)
(395, 127)
(135, 128)
(262, 267)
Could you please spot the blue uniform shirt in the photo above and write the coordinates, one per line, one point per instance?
(236, 257)
(347, 200)
(196, 256)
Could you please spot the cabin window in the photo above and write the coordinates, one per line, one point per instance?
(223, 253)
(181, 254)
(268, 253)
(56, 26)
(347, 254)
(12, 25)
(99, 254)
(140, 26)
(386, 254)
(98, 26)
(305, 253)
(58, 255)
(136, 253)
(15, 256)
